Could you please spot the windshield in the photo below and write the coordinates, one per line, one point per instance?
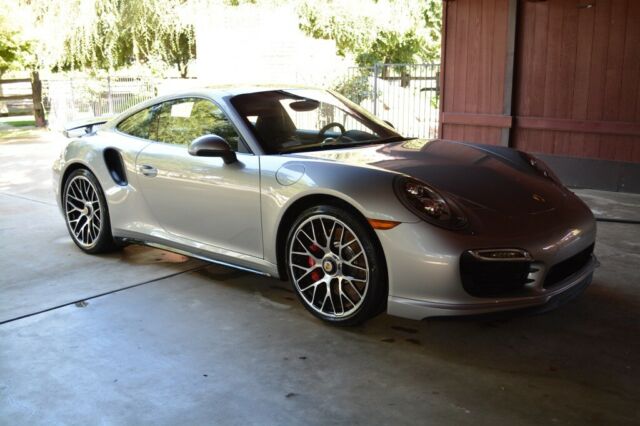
(305, 119)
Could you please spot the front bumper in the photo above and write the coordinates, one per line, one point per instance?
(565, 291)
(424, 268)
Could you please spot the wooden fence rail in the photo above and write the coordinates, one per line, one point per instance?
(35, 96)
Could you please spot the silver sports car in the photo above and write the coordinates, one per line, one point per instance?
(304, 185)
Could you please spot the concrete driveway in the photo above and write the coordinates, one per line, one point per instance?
(146, 336)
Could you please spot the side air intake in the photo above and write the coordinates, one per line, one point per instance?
(115, 165)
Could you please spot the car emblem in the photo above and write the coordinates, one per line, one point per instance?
(539, 198)
(328, 266)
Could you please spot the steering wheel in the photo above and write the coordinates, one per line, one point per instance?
(331, 126)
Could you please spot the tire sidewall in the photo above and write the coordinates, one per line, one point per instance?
(375, 298)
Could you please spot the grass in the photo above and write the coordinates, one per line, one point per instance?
(12, 134)
(17, 121)
(20, 127)
(21, 123)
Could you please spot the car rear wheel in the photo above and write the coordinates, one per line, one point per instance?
(86, 213)
(336, 267)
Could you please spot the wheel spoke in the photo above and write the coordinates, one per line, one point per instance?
(348, 278)
(324, 232)
(340, 295)
(333, 307)
(307, 271)
(355, 288)
(314, 285)
(307, 251)
(330, 236)
(313, 240)
(355, 266)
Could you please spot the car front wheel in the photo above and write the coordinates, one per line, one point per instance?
(336, 267)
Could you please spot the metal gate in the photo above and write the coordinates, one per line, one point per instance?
(72, 99)
(406, 95)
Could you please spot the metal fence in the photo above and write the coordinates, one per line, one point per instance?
(406, 95)
(72, 99)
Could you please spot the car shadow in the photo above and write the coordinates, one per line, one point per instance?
(589, 334)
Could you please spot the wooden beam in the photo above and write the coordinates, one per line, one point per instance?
(15, 97)
(483, 120)
(509, 74)
(579, 126)
(15, 80)
(443, 52)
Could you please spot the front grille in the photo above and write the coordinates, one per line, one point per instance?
(568, 267)
(487, 278)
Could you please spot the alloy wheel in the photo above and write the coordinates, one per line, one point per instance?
(329, 266)
(83, 211)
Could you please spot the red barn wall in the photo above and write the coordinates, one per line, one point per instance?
(475, 42)
(574, 66)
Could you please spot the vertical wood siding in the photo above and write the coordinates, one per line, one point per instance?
(474, 67)
(580, 64)
(577, 76)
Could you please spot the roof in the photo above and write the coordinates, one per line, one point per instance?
(233, 90)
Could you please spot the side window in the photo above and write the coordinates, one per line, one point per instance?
(139, 124)
(182, 120)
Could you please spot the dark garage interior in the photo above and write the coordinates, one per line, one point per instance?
(146, 336)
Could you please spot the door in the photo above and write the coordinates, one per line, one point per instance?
(201, 198)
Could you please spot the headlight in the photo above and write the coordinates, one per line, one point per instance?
(428, 204)
(541, 168)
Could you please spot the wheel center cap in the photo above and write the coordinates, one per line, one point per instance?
(330, 265)
(87, 210)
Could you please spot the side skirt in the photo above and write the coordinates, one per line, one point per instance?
(262, 267)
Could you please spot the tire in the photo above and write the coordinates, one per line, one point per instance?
(86, 213)
(342, 278)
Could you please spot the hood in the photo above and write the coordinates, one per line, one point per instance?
(477, 176)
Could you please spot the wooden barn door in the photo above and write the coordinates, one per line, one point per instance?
(477, 70)
(558, 77)
(578, 79)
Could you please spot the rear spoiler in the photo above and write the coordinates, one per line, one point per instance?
(89, 126)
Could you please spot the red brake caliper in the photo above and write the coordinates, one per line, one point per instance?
(315, 276)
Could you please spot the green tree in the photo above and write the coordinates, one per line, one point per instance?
(109, 34)
(392, 31)
(15, 53)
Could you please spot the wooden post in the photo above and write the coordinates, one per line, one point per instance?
(38, 108)
(509, 75)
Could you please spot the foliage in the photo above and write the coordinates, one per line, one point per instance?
(109, 34)
(351, 33)
(432, 17)
(391, 31)
(15, 52)
(394, 47)
(355, 87)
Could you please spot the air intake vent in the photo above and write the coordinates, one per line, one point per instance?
(114, 163)
(563, 270)
(486, 273)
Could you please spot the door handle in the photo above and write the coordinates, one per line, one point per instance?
(148, 170)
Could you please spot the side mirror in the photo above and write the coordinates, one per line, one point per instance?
(212, 146)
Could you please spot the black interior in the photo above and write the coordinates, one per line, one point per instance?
(276, 132)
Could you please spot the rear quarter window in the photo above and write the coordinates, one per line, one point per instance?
(139, 124)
